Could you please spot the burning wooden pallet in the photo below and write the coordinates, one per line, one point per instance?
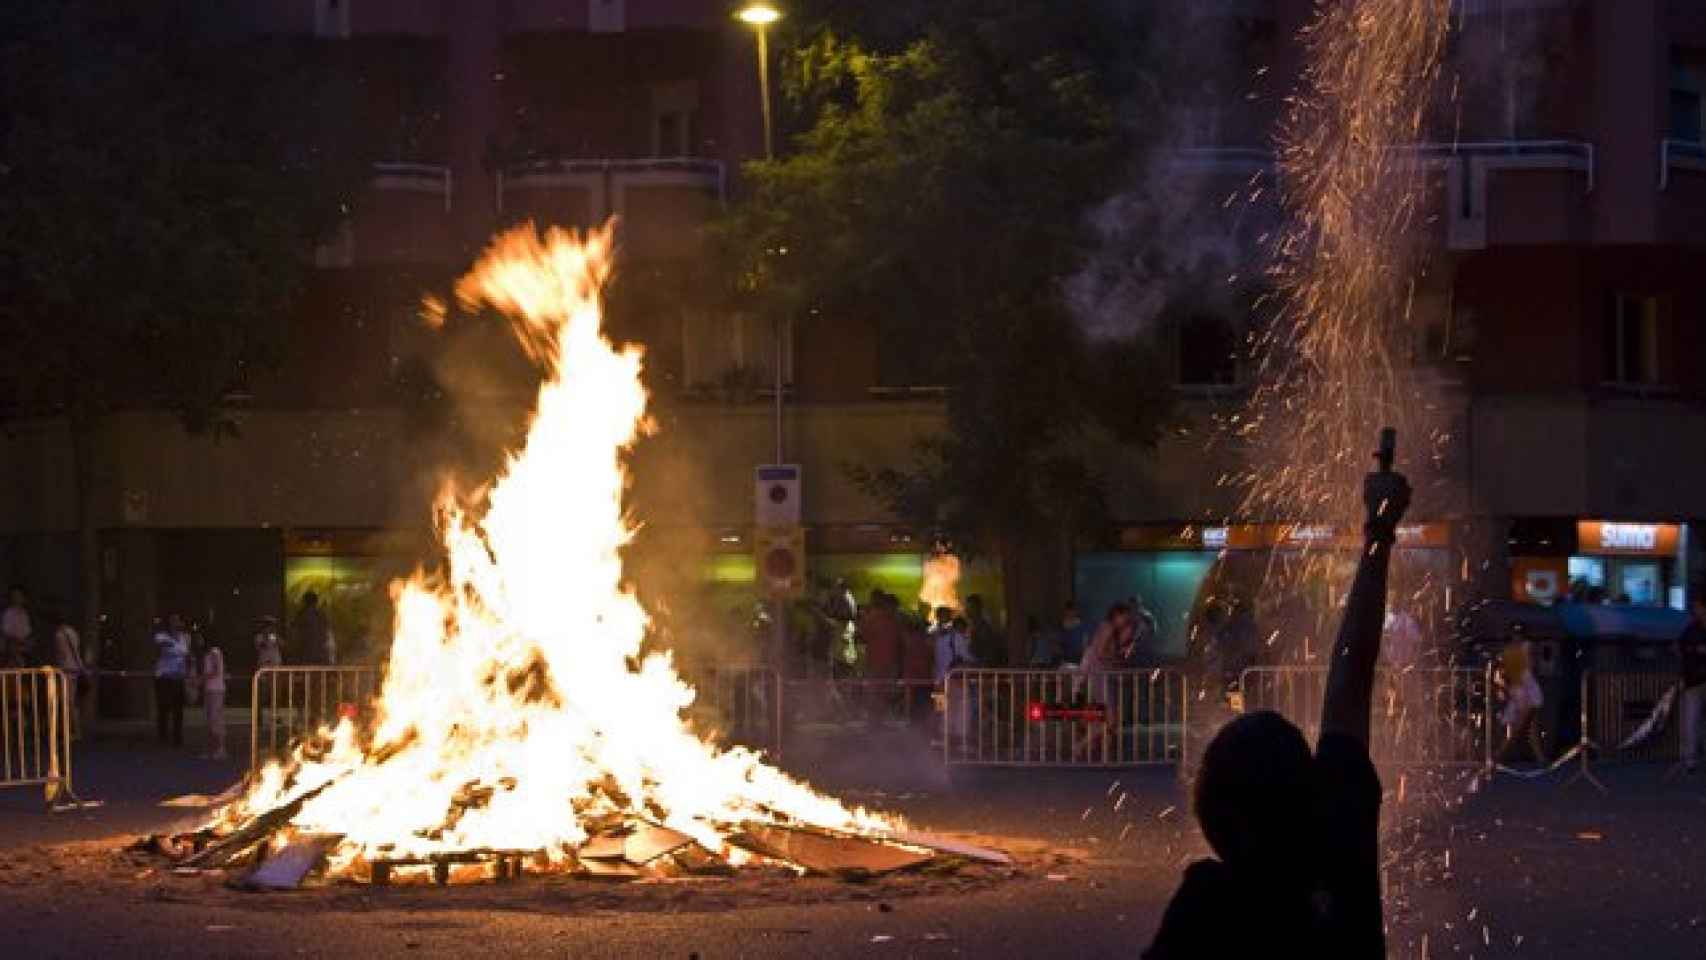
(619, 850)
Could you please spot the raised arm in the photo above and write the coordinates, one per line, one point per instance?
(1350, 675)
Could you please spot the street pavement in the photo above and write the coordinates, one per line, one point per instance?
(1515, 868)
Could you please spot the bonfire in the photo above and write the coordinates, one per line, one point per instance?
(520, 725)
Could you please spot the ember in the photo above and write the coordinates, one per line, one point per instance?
(519, 727)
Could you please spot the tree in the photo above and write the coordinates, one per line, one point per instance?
(944, 160)
(162, 181)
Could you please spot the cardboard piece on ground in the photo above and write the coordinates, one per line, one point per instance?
(958, 848)
(830, 854)
(602, 848)
(649, 842)
(285, 869)
(609, 870)
(201, 800)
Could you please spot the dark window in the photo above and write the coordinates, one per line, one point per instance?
(1687, 94)
(1632, 339)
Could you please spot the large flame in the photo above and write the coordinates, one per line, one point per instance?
(517, 709)
(941, 587)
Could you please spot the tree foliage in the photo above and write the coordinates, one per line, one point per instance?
(941, 161)
(162, 179)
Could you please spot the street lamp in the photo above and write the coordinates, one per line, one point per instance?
(759, 16)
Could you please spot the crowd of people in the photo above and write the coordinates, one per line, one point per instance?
(189, 665)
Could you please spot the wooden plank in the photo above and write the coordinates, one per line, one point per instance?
(603, 848)
(829, 854)
(958, 848)
(286, 869)
(649, 842)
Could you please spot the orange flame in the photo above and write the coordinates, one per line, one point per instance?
(516, 677)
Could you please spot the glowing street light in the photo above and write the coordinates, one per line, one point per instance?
(759, 16)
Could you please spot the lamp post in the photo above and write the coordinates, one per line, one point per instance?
(759, 16)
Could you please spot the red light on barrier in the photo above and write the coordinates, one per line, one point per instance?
(1089, 713)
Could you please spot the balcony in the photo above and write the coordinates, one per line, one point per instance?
(662, 201)
(1547, 204)
(1540, 196)
(403, 218)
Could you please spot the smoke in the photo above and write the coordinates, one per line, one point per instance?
(1507, 70)
(1183, 236)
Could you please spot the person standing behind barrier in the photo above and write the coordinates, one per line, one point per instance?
(310, 634)
(1295, 834)
(1102, 656)
(1523, 698)
(267, 644)
(1692, 649)
(952, 647)
(988, 646)
(68, 657)
(916, 663)
(213, 698)
(17, 629)
(1144, 632)
(879, 629)
(1045, 644)
(1074, 634)
(171, 673)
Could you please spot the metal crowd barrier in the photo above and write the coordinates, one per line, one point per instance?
(1618, 702)
(288, 703)
(743, 704)
(862, 701)
(35, 732)
(1058, 718)
(1425, 717)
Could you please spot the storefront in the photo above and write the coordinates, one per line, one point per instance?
(1177, 571)
(350, 571)
(1637, 563)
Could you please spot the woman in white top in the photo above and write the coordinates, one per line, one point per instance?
(213, 698)
(68, 657)
(267, 653)
(171, 673)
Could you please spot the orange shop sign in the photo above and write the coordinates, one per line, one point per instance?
(1627, 539)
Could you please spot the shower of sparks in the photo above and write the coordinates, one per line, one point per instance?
(1334, 363)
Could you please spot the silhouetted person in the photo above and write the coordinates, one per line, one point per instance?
(311, 634)
(172, 669)
(988, 646)
(17, 630)
(1296, 834)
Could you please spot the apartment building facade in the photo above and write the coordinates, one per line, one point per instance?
(1563, 311)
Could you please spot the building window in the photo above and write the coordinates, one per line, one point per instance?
(1688, 95)
(675, 120)
(1632, 339)
(331, 18)
(734, 355)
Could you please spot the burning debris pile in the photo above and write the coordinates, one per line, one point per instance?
(520, 727)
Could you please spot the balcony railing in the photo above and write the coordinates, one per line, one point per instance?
(605, 178)
(414, 178)
(375, 229)
(1575, 155)
(1680, 155)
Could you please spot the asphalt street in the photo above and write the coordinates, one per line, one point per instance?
(1513, 868)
